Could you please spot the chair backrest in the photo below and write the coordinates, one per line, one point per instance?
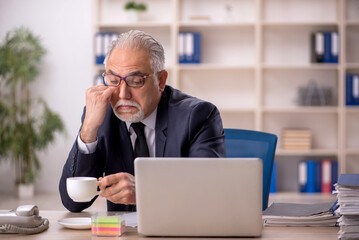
(248, 143)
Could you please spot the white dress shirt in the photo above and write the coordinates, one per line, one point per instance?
(150, 134)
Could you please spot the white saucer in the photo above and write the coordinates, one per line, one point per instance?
(76, 223)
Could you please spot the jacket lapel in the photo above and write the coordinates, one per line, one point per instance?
(161, 125)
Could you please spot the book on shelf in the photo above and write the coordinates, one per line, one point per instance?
(330, 47)
(302, 176)
(317, 47)
(297, 146)
(347, 190)
(326, 178)
(352, 89)
(297, 132)
(103, 42)
(334, 174)
(324, 47)
(189, 47)
(297, 139)
(294, 214)
(317, 175)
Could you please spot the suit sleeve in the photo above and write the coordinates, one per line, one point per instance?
(206, 132)
(79, 164)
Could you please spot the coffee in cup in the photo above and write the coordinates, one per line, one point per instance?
(82, 189)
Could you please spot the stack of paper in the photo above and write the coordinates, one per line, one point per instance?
(297, 139)
(347, 190)
(293, 214)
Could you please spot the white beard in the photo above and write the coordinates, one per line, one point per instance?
(137, 117)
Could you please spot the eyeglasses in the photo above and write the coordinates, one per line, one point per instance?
(136, 81)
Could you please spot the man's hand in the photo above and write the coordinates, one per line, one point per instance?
(97, 101)
(119, 188)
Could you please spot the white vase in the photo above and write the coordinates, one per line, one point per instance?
(25, 191)
(133, 16)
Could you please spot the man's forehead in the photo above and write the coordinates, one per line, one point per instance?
(133, 72)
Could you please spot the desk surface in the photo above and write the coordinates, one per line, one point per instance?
(57, 232)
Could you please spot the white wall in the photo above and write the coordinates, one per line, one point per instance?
(65, 28)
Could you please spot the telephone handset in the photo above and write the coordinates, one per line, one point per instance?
(25, 220)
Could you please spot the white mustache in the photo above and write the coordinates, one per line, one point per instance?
(127, 103)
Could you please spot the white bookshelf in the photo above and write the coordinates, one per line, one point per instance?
(253, 63)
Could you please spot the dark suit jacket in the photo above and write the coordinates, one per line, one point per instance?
(185, 127)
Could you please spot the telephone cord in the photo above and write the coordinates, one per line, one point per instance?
(8, 228)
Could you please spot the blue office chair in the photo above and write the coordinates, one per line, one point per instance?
(247, 143)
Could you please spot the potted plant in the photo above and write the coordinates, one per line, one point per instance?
(134, 9)
(22, 132)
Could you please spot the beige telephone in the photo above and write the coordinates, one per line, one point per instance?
(25, 220)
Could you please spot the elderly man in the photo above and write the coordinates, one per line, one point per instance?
(134, 114)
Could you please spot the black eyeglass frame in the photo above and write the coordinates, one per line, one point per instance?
(143, 78)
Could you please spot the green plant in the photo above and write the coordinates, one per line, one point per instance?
(22, 131)
(132, 5)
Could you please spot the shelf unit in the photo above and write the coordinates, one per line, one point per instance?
(254, 58)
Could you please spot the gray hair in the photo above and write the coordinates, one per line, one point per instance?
(135, 39)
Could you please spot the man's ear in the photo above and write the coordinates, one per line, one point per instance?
(162, 78)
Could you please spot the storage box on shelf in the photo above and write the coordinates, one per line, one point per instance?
(255, 63)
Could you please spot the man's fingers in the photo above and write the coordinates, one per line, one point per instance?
(95, 89)
(119, 195)
(108, 91)
(100, 91)
(119, 188)
(112, 179)
(122, 198)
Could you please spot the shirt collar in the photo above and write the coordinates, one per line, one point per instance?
(149, 121)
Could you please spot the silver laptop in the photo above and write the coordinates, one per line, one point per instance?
(199, 196)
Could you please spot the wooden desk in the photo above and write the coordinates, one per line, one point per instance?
(57, 232)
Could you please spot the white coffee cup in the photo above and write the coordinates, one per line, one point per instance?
(82, 189)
